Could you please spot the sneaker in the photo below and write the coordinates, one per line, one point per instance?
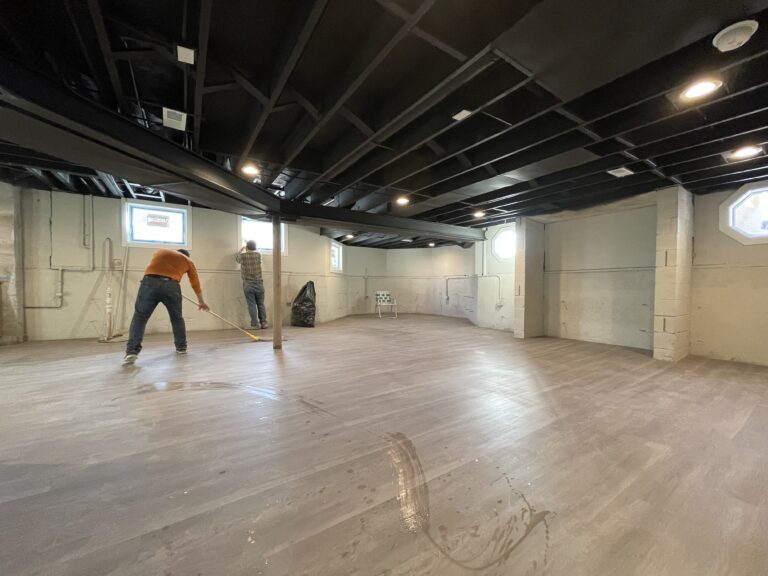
(264, 326)
(129, 359)
(184, 351)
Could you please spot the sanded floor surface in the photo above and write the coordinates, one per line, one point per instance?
(417, 446)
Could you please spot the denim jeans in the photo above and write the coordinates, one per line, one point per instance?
(254, 296)
(154, 291)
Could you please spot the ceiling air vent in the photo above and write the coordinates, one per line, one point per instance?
(620, 172)
(185, 55)
(174, 119)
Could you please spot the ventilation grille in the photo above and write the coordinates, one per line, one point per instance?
(174, 119)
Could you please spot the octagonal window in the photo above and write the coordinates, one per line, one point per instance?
(504, 244)
(749, 215)
(744, 216)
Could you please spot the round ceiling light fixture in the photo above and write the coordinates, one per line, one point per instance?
(431, 244)
(402, 201)
(250, 169)
(735, 35)
(700, 89)
(349, 236)
(745, 152)
(479, 214)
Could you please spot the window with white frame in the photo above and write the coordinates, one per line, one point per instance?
(155, 225)
(504, 244)
(744, 216)
(337, 257)
(260, 231)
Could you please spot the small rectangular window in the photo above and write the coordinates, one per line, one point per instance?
(260, 231)
(147, 225)
(337, 257)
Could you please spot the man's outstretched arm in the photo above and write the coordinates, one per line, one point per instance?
(194, 280)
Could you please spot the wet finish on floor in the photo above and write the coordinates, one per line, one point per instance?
(448, 450)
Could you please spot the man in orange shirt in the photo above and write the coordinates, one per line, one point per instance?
(161, 285)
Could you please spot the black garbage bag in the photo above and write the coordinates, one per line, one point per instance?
(303, 307)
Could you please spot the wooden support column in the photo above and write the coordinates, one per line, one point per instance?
(277, 292)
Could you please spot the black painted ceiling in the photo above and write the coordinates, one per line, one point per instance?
(349, 103)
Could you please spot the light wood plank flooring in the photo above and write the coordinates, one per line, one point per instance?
(417, 446)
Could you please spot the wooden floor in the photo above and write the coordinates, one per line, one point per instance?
(416, 446)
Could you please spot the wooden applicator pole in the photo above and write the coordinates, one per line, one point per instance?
(277, 292)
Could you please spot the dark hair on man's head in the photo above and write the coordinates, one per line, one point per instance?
(185, 252)
(251, 245)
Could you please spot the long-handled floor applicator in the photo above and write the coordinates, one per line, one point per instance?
(235, 326)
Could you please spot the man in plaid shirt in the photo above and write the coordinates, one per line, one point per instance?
(253, 283)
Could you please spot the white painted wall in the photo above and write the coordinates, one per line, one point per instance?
(417, 278)
(599, 277)
(729, 291)
(65, 252)
(11, 324)
(598, 284)
(494, 285)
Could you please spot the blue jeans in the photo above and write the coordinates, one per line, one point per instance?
(254, 296)
(153, 291)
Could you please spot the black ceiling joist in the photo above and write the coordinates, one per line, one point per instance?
(468, 70)
(292, 49)
(368, 61)
(35, 112)
(433, 41)
(106, 52)
(677, 142)
(201, 61)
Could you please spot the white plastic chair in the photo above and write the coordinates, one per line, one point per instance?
(384, 298)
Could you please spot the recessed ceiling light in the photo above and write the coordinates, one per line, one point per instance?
(479, 214)
(409, 240)
(461, 114)
(349, 236)
(735, 35)
(700, 89)
(250, 169)
(744, 152)
(620, 172)
(402, 201)
(185, 55)
(431, 244)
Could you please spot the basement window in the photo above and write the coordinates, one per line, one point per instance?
(744, 216)
(261, 232)
(337, 257)
(152, 225)
(504, 244)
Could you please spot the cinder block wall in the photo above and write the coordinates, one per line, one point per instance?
(11, 312)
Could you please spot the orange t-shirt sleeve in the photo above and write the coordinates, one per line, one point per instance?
(194, 279)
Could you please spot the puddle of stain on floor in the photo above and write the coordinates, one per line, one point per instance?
(269, 393)
(479, 537)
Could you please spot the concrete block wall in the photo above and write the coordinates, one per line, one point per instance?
(715, 308)
(674, 255)
(599, 277)
(11, 277)
(66, 267)
(529, 279)
(729, 290)
(67, 256)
